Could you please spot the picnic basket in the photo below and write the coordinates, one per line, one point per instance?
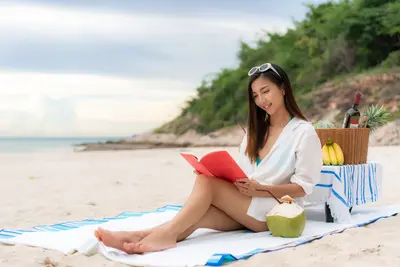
(353, 141)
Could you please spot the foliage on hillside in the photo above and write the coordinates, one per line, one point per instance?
(335, 39)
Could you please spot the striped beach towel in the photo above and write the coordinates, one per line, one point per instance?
(204, 247)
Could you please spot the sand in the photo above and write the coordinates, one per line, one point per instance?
(54, 186)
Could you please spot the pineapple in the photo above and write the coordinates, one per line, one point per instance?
(376, 117)
(323, 124)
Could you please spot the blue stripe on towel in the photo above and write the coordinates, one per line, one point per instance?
(63, 226)
(370, 182)
(332, 172)
(340, 198)
(364, 183)
(324, 185)
(357, 188)
(91, 221)
(76, 223)
(12, 233)
(350, 185)
(347, 176)
(375, 182)
(130, 214)
(113, 218)
(220, 259)
(361, 184)
(344, 181)
(173, 207)
(346, 190)
(4, 236)
(27, 231)
(366, 175)
(46, 228)
(351, 179)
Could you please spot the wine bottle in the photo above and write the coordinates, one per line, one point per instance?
(352, 115)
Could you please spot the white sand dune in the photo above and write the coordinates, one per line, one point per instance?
(50, 187)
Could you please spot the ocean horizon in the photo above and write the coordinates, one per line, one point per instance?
(35, 144)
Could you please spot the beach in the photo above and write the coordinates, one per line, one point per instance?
(46, 187)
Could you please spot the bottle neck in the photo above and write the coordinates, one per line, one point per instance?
(356, 100)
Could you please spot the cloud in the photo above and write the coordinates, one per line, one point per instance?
(17, 122)
(45, 104)
(221, 8)
(50, 38)
(80, 25)
(58, 85)
(76, 69)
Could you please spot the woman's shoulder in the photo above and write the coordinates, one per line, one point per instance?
(303, 127)
(306, 137)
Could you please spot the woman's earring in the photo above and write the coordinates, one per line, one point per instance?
(266, 116)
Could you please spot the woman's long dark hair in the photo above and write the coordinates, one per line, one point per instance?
(257, 125)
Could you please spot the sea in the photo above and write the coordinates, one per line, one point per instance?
(38, 144)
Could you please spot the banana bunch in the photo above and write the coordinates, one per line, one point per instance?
(332, 154)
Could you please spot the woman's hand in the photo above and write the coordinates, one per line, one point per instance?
(248, 187)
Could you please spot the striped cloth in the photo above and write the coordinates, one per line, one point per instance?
(204, 247)
(343, 187)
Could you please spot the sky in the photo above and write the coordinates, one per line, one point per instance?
(115, 68)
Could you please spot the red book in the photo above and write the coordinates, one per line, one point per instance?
(217, 164)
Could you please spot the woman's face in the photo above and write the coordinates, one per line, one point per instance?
(267, 95)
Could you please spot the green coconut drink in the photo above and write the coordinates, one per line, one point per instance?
(286, 219)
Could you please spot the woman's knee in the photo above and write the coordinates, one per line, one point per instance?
(203, 180)
(208, 182)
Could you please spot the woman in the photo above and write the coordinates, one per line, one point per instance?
(280, 152)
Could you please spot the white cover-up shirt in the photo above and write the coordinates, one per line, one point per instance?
(296, 157)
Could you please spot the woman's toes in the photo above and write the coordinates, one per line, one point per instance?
(98, 234)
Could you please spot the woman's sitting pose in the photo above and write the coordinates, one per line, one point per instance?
(280, 153)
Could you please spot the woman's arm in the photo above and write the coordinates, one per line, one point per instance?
(293, 190)
(252, 188)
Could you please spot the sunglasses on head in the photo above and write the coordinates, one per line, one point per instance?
(263, 68)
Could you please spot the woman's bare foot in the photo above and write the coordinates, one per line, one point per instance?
(118, 238)
(157, 240)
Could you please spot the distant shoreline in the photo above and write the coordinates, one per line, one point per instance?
(140, 146)
(387, 135)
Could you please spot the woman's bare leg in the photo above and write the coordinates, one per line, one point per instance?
(214, 219)
(207, 191)
(116, 239)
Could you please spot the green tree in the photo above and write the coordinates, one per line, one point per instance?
(335, 38)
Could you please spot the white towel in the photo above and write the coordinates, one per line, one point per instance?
(204, 247)
(343, 187)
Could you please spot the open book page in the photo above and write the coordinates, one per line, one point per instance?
(222, 165)
(199, 167)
